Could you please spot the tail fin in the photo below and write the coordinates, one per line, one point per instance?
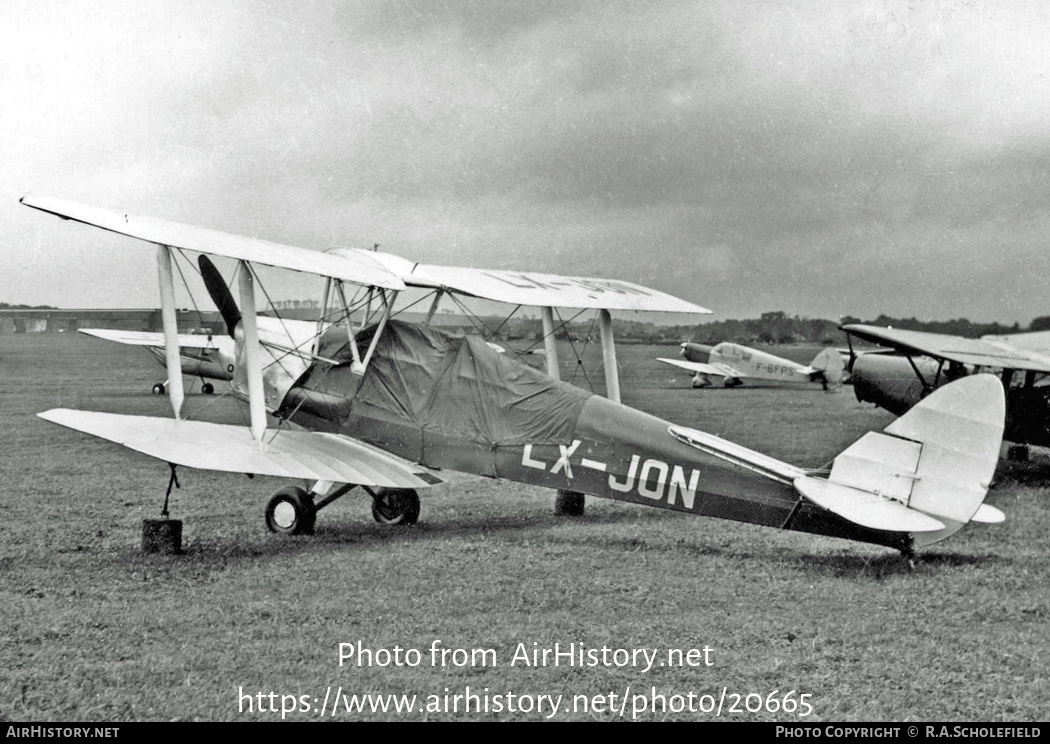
(928, 472)
(829, 363)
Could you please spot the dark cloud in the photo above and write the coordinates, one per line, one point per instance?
(819, 160)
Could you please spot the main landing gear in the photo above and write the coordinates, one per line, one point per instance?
(292, 510)
(161, 387)
(395, 505)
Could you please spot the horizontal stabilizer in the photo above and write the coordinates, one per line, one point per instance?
(960, 426)
(935, 462)
(865, 508)
(879, 464)
(987, 514)
(283, 453)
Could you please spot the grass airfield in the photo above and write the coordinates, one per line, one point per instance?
(95, 630)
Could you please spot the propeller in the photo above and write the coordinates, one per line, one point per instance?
(220, 294)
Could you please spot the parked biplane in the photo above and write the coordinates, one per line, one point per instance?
(202, 356)
(364, 399)
(735, 363)
(920, 362)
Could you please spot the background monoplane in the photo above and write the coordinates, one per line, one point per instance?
(735, 363)
(203, 356)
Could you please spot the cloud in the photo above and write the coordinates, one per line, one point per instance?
(820, 160)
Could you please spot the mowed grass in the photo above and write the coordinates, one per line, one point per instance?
(95, 630)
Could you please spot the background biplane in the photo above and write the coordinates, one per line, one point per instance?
(921, 362)
(735, 363)
(201, 355)
(361, 398)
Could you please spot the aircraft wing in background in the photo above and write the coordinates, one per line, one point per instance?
(149, 339)
(722, 370)
(1002, 352)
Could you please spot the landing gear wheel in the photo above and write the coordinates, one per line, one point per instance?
(207, 388)
(395, 506)
(291, 511)
(158, 389)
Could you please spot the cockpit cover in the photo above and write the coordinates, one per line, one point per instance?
(457, 385)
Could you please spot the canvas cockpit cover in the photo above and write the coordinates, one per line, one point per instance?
(459, 386)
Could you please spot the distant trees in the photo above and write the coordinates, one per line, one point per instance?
(775, 327)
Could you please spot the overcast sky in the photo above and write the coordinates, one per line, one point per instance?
(818, 158)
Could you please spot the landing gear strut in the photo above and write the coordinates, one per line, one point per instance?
(293, 511)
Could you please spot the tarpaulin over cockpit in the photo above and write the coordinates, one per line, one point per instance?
(456, 386)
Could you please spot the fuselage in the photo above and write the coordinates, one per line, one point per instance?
(752, 362)
(215, 364)
(452, 402)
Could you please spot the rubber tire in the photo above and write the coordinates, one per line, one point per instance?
(158, 389)
(207, 388)
(395, 506)
(301, 518)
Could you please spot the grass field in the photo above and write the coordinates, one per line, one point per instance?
(95, 630)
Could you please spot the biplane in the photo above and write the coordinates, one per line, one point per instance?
(735, 364)
(365, 399)
(202, 356)
(915, 363)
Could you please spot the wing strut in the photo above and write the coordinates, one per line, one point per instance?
(323, 316)
(612, 374)
(171, 328)
(356, 367)
(549, 345)
(252, 358)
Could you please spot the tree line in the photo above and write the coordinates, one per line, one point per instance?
(777, 327)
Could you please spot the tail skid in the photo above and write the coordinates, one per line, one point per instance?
(926, 474)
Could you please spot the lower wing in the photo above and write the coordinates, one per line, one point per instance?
(284, 453)
(722, 370)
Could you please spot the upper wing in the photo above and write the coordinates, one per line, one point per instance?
(288, 454)
(145, 338)
(1037, 341)
(986, 352)
(359, 267)
(528, 288)
(722, 370)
